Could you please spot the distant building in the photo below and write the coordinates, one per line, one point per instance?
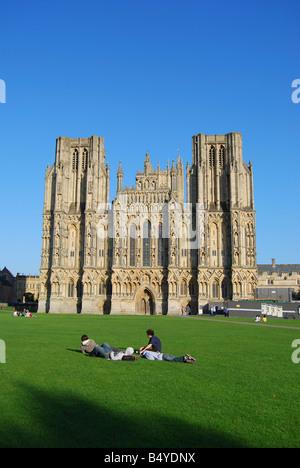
(7, 286)
(27, 288)
(21, 288)
(276, 280)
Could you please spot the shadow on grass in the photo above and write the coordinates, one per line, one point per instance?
(62, 420)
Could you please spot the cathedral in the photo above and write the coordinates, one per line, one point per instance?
(179, 237)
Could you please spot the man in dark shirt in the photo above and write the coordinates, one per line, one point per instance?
(154, 343)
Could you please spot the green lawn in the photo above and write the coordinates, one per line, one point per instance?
(244, 392)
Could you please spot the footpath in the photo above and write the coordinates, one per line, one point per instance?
(256, 324)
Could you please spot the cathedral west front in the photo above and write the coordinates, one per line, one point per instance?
(180, 236)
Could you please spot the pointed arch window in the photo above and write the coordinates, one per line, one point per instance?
(84, 159)
(225, 294)
(192, 287)
(183, 288)
(212, 156)
(146, 243)
(75, 160)
(79, 288)
(215, 290)
(71, 289)
(160, 259)
(222, 156)
(132, 244)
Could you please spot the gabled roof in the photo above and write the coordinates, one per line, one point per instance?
(279, 269)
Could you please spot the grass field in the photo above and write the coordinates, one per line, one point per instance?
(244, 392)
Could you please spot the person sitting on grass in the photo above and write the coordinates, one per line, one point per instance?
(28, 314)
(154, 343)
(168, 357)
(89, 346)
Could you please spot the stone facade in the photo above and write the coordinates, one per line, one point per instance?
(75, 187)
(18, 289)
(148, 252)
(281, 276)
(27, 287)
(220, 180)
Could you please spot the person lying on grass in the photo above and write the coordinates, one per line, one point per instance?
(154, 343)
(123, 355)
(153, 356)
(89, 346)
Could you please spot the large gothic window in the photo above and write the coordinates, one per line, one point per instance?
(146, 243)
(160, 259)
(132, 244)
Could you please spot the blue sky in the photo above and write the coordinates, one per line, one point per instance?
(147, 76)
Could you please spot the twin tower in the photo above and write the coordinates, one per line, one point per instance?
(159, 246)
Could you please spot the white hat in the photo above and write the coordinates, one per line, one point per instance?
(129, 351)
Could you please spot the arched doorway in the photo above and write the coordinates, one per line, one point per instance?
(28, 297)
(145, 303)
